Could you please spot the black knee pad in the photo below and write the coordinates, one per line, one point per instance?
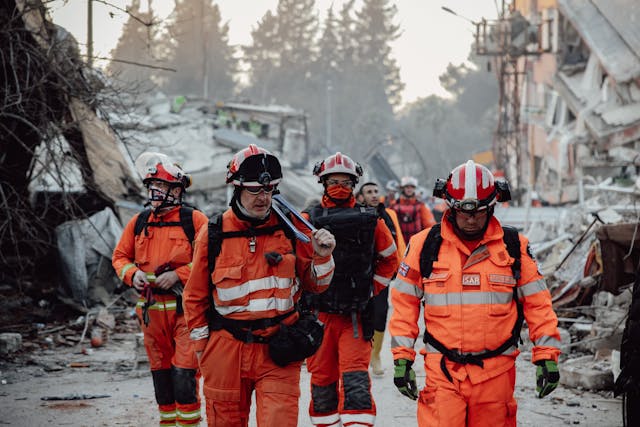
(325, 398)
(357, 390)
(184, 385)
(163, 386)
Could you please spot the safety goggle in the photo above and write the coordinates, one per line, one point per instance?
(468, 205)
(267, 189)
(346, 183)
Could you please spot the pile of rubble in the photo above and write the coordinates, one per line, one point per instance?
(588, 253)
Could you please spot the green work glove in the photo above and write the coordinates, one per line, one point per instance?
(405, 378)
(547, 377)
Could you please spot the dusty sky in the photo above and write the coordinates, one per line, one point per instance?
(431, 38)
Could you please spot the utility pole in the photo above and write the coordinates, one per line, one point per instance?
(328, 116)
(205, 62)
(90, 33)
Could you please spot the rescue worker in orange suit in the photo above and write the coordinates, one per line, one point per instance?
(235, 309)
(366, 259)
(370, 194)
(413, 214)
(157, 261)
(476, 291)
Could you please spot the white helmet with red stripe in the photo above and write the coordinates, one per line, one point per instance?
(470, 187)
(337, 163)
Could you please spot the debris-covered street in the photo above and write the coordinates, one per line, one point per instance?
(117, 393)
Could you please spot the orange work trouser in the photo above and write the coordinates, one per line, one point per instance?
(173, 362)
(461, 403)
(232, 369)
(340, 382)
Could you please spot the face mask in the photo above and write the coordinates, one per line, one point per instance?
(339, 192)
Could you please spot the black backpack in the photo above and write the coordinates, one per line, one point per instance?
(429, 254)
(186, 222)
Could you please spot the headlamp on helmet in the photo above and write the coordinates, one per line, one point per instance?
(252, 167)
(471, 187)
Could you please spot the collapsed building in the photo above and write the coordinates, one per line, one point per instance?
(569, 136)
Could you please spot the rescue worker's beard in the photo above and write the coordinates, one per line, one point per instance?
(338, 194)
(242, 213)
(465, 235)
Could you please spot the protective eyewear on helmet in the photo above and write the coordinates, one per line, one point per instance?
(267, 189)
(468, 205)
(347, 183)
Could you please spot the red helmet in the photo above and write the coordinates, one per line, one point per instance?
(158, 167)
(254, 166)
(337, 163)
(470, 187)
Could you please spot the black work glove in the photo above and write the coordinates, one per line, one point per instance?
(405, 378)
(547, 377)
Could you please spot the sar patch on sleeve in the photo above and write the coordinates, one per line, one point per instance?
(403, 269)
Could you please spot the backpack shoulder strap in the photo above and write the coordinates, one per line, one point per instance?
(430, 250)
(141, 222)
(512, 242)
(186, 220)
(214, 244)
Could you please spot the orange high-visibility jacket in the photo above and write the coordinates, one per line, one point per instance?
(155, 247)
(246, 287)
(468, 303)
(401, 245)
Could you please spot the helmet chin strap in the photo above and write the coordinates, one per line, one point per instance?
(168, 201)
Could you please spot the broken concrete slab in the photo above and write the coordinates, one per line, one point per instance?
(587, 373)
(10, 342)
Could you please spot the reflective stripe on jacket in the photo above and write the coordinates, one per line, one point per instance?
(468, 302)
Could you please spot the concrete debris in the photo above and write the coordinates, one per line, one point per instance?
(10, 342)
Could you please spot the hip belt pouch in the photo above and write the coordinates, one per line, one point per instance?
(298, 341)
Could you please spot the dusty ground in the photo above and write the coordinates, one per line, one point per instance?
(110, 370)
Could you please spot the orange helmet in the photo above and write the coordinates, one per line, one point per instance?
(471, 187)
(159, 167)
(338, 163)
(254, 166)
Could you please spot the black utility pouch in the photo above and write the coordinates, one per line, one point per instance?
(298, 341)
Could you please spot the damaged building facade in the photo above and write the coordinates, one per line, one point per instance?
(569, 134)
(569, 73)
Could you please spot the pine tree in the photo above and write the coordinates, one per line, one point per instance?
(199, 50)
(376, 31)
(136, 44)
(282, 52)
(263, 57)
